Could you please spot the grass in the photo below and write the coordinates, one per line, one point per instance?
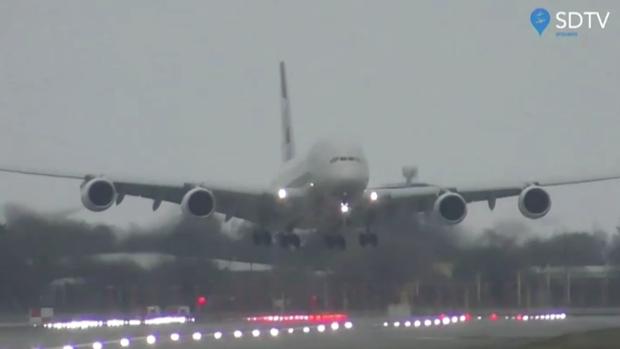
(598, 339)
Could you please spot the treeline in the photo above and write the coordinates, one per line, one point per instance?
(41, 255)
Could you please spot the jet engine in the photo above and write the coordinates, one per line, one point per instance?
(98, 194)
(534, 202)
(198, 202)
(450, 208)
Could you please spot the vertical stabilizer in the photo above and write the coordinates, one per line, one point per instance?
(288, 146)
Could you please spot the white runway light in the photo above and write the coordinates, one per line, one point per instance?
(348, 325)
(291, 330)
(462, 318)
(407, 323)
(282, 193)
(150, 339)
(446, 321)
(416, 323)
(437, 322)
(320, 328)
(174, 337)
(306, 329)
(255, 333)
(427, 322)
(237, 334)
(274, 332)
(217, 335)
(67, 347)
(397, 324)
(124, 342)
(197, 336)
(454, 319)
(335, 326)
(385, 324)
(97, 345)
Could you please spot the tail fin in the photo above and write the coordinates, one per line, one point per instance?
(288, 146)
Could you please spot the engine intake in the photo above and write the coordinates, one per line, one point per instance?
(98, 194)
(534, 202)
(198, 202)
(450, 208)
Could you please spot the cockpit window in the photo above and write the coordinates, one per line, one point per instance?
(344, 158)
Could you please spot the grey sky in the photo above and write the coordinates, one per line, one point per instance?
(188, 89)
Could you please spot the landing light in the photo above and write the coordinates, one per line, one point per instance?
(374, 196)
(282, 193)
(344, 208)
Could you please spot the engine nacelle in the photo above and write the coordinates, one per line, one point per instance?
(450, 208)
(198, 202)
(98, 194)
(534, 202)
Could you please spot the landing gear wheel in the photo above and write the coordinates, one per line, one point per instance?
(294, 241)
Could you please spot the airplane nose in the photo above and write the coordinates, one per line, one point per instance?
(350, 179)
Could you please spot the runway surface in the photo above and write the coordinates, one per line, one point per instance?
(364, 333)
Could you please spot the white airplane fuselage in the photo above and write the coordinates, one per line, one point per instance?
(331, 175)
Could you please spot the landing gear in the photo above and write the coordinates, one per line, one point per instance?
(287, 240)
(336, 242)
(262, 238)
(368, 239)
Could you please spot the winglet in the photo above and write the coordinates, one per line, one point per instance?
(288, 146)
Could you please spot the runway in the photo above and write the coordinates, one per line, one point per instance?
(363, 333)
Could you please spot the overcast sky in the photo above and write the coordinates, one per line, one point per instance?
(467, 91)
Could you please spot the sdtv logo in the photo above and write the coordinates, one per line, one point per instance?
(573, 20)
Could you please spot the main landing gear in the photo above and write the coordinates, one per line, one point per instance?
(287, 240)
(368, 239)
(284, 240)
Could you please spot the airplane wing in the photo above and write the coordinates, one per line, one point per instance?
(248, 203)
(426, 193)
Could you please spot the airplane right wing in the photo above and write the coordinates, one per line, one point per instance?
(100, 192)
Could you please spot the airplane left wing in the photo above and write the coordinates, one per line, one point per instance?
(422, 196)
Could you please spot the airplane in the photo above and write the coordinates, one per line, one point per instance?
(325, 191)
